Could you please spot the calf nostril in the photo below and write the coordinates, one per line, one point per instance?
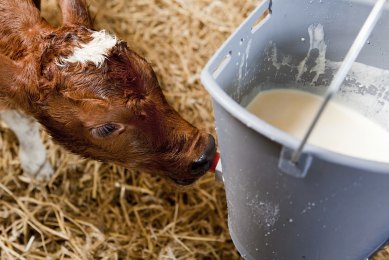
(199, 167)
(202, 164)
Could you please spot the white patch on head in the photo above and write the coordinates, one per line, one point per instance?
(95, 51)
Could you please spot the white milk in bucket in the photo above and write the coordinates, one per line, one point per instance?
(339, 129)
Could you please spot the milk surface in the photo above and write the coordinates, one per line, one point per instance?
(339, 129)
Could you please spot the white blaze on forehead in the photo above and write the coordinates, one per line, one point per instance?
(95, 51)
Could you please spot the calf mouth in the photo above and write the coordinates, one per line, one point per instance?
(184, 182)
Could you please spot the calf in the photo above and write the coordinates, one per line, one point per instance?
(93, 95)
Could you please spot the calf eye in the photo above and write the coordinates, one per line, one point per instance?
(103, 131)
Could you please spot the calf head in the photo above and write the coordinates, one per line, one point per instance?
(101, 100)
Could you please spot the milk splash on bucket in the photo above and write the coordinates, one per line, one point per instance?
(316, 35)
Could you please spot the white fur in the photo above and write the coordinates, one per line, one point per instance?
(32, 153)
(95, 51)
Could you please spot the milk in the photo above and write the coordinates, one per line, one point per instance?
(339, 129)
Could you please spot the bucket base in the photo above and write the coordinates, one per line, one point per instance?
(242, 251)
(247, 255)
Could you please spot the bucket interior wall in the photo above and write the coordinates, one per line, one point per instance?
(301, 44)
(340, 209)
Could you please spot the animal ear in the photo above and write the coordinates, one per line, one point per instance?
(8, 75)
(11, 85)
(75, 12)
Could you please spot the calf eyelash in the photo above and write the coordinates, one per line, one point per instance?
(103, 131)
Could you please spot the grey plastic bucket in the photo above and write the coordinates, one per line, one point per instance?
(340, 208)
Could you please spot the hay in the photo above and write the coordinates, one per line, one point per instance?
(92, 210)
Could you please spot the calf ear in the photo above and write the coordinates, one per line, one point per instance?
(8, 75)
(15, 89)
(75, 12)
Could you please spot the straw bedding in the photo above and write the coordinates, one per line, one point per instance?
(92, 210)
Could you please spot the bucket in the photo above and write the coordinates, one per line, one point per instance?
(339, 207)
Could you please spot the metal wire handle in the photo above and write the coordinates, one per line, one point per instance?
(351, 56)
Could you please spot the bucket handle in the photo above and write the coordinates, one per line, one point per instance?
(217, 63)
(292, 166)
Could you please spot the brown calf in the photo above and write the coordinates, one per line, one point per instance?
(93, 95)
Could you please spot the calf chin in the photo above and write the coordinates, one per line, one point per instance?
(180, 187)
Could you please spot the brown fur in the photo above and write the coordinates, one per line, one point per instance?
(73, 102)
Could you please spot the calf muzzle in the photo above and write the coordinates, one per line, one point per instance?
(202, 164)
